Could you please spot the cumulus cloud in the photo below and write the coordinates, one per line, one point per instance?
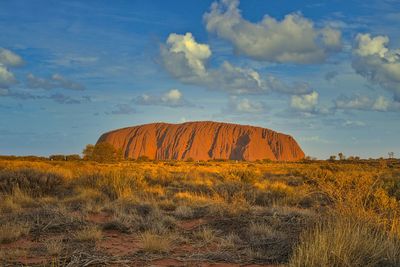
(293, 39)
(238, 105)
(186, 59)
(9, 58)
(7, 78)
(362, 102)
(377, 63)
(195, 54)
(171, 98)
(305, 103)
(55, 81)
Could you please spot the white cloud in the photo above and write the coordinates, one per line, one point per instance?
(244, 105)
(355, 102)
(236, 80)
(294, 39)
(7, 78)
(362, 102)
(186, 60)
(173, 95)
(171, 98)
(55, 81)
(306, 102)
(381, 104)
(9, 58)
(195, 53)
(377, 63)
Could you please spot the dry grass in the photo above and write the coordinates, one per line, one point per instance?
(155, 243)
(184, 212)
(302, 214)
(346, 242)
(205, 235)
(88, 234)
(10, 232)
(54, 246)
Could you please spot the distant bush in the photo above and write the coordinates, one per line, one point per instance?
(24, 158)
(57, 157)
(143, 158)
(73, 157)
(244, 175)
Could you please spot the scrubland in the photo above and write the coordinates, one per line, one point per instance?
(55, 213)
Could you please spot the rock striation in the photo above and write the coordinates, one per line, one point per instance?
(203, 140)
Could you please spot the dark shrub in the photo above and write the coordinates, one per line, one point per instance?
(33, 182)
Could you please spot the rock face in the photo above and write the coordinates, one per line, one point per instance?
(203, 141)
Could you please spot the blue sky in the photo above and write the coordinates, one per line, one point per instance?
(327, 73)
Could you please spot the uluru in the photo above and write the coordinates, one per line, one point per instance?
(203, 140)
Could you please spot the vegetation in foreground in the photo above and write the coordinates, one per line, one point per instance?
(61, 213)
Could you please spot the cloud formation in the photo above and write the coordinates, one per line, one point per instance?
(8, 59)
(195, 53)
(362, 102)
(172, 98)
(305, 103)
(377, 63)
(55, 81)
(186, 59)
(7, 78)
(293, 39)
(239, 105)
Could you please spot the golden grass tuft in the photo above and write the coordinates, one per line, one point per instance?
(88, 234)
(54, 246)
(346, 242)
(155, 243)
(11, 232)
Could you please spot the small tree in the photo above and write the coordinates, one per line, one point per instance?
(332, 158)
(104, 152)
(391, 155)
(88, 152)
(341, 156)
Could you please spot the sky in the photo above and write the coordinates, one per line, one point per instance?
(325, 72)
